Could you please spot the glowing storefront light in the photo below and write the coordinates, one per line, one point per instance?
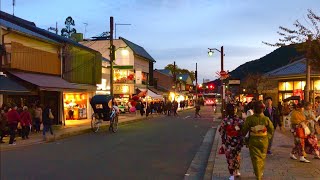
(125, 89)
(125, 52)
(317, 85)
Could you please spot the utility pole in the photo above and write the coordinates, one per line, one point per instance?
(174, 79)
(13, 4)
(308, 70)
(223, 85)
(196, 76)
(112, 55)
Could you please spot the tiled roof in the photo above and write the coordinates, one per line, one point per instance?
(138, 49)
(164, 71)
(183, 76)
(295, 68)
(31, 26)
(18, 28)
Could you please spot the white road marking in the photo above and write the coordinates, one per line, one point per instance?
(186, 117)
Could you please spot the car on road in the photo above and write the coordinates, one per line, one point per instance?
(210, 102)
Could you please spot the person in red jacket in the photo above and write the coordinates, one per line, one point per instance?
(13, 120)
(25, 120)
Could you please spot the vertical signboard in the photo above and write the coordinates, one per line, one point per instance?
(138, 77)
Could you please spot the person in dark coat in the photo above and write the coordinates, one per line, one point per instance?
(169, 107)
(47, 122)
(3, 122)
(273, 114)
(141, 108)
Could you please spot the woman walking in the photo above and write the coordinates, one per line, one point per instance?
(47, 118)
(260, 130)
(311, 143)
(297, 119)
(25, 120)
(13, 120)
(230, 131)
(37, 117)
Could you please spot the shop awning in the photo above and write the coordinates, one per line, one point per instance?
(8, 86)
(147, 92)
(45, 82)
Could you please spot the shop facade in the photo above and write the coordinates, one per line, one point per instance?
(291, 81)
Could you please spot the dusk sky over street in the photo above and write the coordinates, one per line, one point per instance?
(178, 30)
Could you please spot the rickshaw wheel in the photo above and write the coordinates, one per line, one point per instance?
(114, 125)
(95, 123)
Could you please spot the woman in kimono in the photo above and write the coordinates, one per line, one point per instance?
(311, 142)
(232, 139)
(297, 118)
(260, 130)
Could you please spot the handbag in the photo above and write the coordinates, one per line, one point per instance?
(221, 150)
(41, 127)
(51, 115)
(306, 129)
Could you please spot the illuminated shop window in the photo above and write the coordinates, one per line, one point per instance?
(286, 86)
(299, 85)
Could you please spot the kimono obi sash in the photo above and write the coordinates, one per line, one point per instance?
(258, 133)
(259, 130)
(231, 131)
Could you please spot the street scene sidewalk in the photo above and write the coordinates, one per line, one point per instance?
(73, 128)
(278, 165)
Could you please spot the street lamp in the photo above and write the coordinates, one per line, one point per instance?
(210, 53)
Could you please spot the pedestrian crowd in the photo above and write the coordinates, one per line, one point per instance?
(20, 122)
(253, 126)
(160, 107)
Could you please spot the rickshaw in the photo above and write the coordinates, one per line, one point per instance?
(103, 111)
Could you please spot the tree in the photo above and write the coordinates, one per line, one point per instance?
(306, 38)
(68, 31)
(257, 83)
(181, 71)
(299, 38)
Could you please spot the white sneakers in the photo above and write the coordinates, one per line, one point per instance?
(303, 159)
(292, 156)
(231, 178)
(237, 173)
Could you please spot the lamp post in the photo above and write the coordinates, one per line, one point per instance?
(210, 53)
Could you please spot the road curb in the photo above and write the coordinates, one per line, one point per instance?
(199, 162)
(213, 154)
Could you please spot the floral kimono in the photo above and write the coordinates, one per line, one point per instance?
(230, 131)
(261, 130)
(311, 142)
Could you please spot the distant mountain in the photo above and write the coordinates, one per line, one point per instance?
(278, 58)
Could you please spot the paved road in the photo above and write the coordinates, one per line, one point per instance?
(159, 148)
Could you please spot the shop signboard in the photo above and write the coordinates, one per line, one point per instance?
(121, 89)
(138, 77)
(234, 82)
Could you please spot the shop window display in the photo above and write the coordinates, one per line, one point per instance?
(124, 76)
(75, 106)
